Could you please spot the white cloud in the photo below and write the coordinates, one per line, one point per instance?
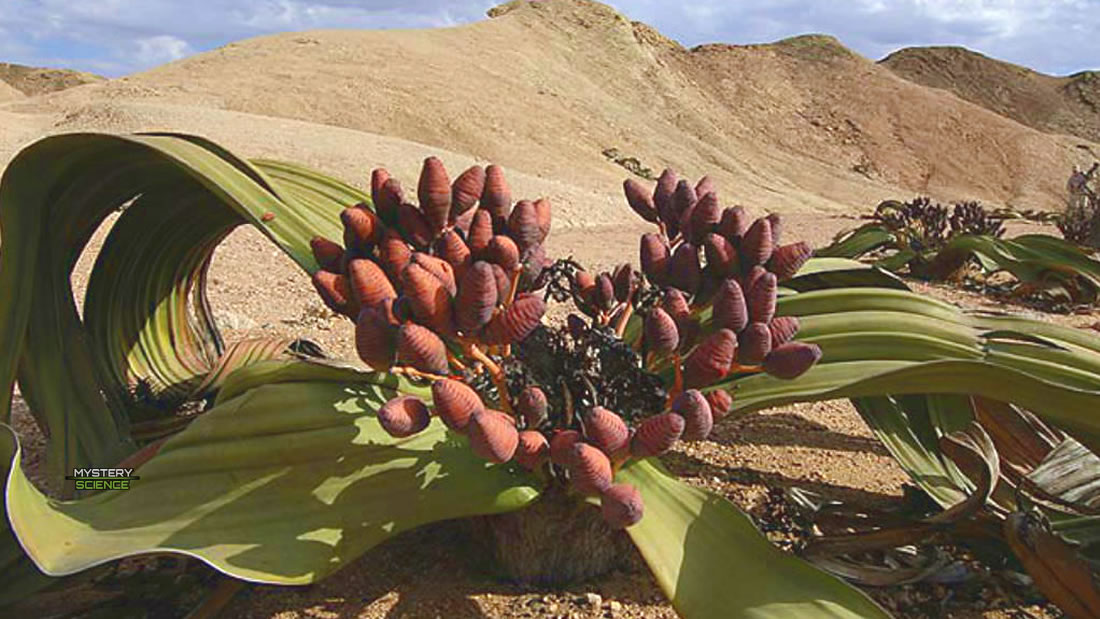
(160, 49)
(1051, 35)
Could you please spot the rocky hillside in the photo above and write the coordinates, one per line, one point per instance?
(36, 81)
(1069, 105)
(546, 88)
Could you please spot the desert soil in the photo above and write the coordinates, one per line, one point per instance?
(802, 127)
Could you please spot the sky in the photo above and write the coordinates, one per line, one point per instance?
(117, 37)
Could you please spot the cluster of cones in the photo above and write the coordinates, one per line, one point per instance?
(442, 290)
(704, 256)
(414, 277)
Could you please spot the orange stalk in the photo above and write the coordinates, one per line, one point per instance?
(495, 373)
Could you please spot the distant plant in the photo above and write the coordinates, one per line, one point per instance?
(1080, 223)
(929, 241)
(630, 163)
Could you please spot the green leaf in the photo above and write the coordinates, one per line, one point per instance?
(712, 562)
(147, 328)
(284, 483)
(858, 242)
(820, 273)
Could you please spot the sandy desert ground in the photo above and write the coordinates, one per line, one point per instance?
(802, 127)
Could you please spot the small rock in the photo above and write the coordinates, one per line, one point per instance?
(232, 320)
(593, 599)
(614, 606)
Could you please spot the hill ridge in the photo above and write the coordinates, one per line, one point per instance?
(546, 87)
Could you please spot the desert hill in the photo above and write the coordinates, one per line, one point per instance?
(36, 80)
(1069, 105)
(8, 93)
(545, 88)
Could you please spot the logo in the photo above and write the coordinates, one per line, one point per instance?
(102, 479)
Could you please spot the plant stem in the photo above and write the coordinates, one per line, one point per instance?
(495, 373)
(678, 383)
(624, 317)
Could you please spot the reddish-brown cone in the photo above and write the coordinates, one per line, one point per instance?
(750, 278)
(481, 230)
(403, 416)
(662, 336)
(389, 200)
(414, 226)
(477, 297)
(621, 506)
(362, 228)
(777, 227)
(533, 406)
(640, 199)
(497, 197)
(721, 402)
(605, 292)
(369, 285)
(674, 302)
(694, 408)
(504, 252)
(654, 258)
(606, 430)
(394, 254)
(663, 199)
(421, 348)
(783, 329)
(705, 185)
(329, 255)
(462, 223)
(584, 286)
(450, 247)
(656, 435)
(754, 343)
(788, 259)
(561, 446)
(704, 217)
(623, 279)
(523, 226)
(733, 223)
(684, 200)
(533, 450)
(711, 360)
(684, 271)
(589, 469)
(761, 298)
(756, 245)
(516, 322)
(722, 258)
(378, 178)
(434, 193)
(792, 359)
(455, 403)
(440, 269)
(335, 291)
(729, 310)
(504, 283)
(466, 191)
(544, 215)
(374, 338)
(492, 436)
(427, 296)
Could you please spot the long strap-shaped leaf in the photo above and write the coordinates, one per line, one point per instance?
(712, 562)
(145, 322)
(284, 483)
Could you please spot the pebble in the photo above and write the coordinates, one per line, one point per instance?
(614, 606)
(593, 599)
